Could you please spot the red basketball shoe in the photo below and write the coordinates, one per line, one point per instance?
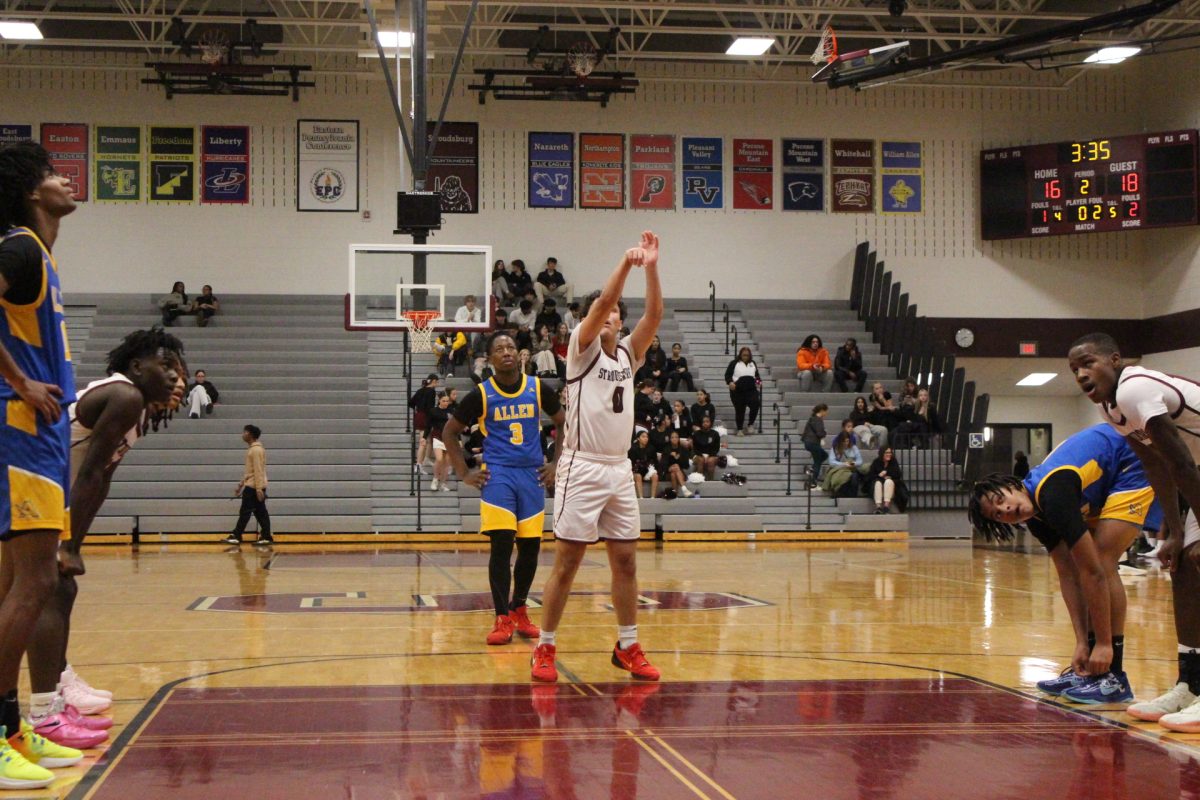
(502, 632)
(543, 664)
(525, 627)
(634, 660)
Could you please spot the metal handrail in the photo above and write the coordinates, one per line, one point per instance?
(778, 429)
(712, 301)
(725, 308)
(787, 439)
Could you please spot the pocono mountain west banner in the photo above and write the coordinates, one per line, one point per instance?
(803, 174)
(703, 172)
(753, 174)
(652, 171)
(853, 182)
(900, 178)
(67, 143)
(454, 168)
(551, 170)
(171, 168)
(601, 170)
(118, 167)
(225, 164)
(11, 134)
(326, 165)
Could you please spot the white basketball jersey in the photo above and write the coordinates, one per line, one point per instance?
(80, 434)
(599, 398)
(1143, 394)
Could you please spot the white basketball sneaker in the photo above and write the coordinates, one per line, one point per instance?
(71, 676)
(1185, 721)
(1174, 701)
(87, 703)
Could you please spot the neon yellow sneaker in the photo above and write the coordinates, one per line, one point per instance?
(39, 750)
(16, 772)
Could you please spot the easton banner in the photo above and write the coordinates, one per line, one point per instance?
(803, 174)
(551, 170)
(703, 172)
(900, 177)
(11, 134)
(171, 165)
(118, 167)
(652, 171)
(225, 164)
(753, 174)
(853, 170)
(326, 165)
(601, 170)
(67, 143)
(454, 168)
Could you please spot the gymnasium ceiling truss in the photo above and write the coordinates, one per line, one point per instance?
(658, 39)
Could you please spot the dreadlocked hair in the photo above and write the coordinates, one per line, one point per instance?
(159, 416)
(23, 167)
(990, 487)
(142, 344)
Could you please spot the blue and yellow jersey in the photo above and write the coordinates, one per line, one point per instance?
(511, 424)
(36, 333)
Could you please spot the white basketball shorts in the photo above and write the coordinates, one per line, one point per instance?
(594, 500)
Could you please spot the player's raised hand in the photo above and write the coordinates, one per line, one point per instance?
(649, 249)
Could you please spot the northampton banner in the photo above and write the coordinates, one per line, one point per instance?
(853, 169)
(118, 163)
(454, 168)
(601, 170)
(225, 164)
(11, 134)
(551, 170)
(652, 171)
(67, 143)
(703, 172)
(900, 178)
(753, 174)
(803, 174)
(171, 169)
(326, 165)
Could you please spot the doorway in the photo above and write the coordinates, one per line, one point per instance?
(1002, 441)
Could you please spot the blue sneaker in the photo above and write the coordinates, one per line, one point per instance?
(1069, 679)
(1111, 687)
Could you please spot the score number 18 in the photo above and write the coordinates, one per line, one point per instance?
(1130, 184)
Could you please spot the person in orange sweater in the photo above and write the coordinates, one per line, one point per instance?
(813, 365)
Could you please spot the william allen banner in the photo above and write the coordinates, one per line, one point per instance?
(601, 170)
(225, 164)
(551, 170)
(454, 168)
(67, 144)
(326, 165)
(753, 174)
(900, 178)
(803, 174)
(853, 162)
(118, 163)
(652, 171)
(172, 165)
(703, 172)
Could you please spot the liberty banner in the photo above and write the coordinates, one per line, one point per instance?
(853, 165)
(703, 172)
(118, 163)
(652, 171)
(803, 174)
(11, 134)
(900, 178)
(753, 174)
(225, 164)
(67, 143)
(454, 167)
(551, 170)
(326, 165)
(172, 165)
(601, 170)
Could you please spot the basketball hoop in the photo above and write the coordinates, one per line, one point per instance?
(213, 47)
(420, 330)
(826, 51)
(581, 58)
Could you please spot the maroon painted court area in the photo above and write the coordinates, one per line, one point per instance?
(368, 560)
(930, 739)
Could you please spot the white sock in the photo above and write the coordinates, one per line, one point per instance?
(40, 704)
(626, 635)
(547, 637)
(1183, 648)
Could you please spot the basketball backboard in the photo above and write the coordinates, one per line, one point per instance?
(847, 65)
(388, 280)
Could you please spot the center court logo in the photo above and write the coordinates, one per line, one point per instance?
(327, 185)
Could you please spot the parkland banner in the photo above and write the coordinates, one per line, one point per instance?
(601, 170)
(11, 134)
(703, 172)
(454, 168)
(225, 164)
(326, 165)
(900, 178)
(803, 174)
(171, 165)
(652, 171)
(118, 170)
(853, 169)
(753, 174)
(67, 143)
(551, 170)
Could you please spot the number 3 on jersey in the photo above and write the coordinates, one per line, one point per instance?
(518, 433)
(618, 399)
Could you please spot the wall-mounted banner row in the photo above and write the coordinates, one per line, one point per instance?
(159, 163)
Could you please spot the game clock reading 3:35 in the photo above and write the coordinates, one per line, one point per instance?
(1090, 185)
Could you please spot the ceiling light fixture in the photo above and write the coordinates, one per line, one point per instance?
(1037, 378)
(19, 30)
(1112, 55)
(395, 39)
(749, 46)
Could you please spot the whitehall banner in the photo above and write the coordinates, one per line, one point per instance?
(326, 165)
(853, 181)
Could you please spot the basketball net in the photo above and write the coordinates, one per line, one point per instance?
(213, 47)
(826, 48)
(420, 330)
(581, 58)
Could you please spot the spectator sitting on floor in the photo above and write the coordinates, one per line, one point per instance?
(681, 422)
(813, 438)
(869, 434)
(552, 284)
(654, 368)
(923, 425)
(519, 282)
(548, 316)
(842, 479)
(677, 369)
(702, 408)
(174, 304)
(674, 464)
(469, 311)
(500, 289)
(643, 407)
(643, 458)
(206, 306)
(812, 365)
(574, 316)
(848, 366)
(885, 482)
(883, 407)
(422, 402)
(450, 349)
(706, 447)
(201, 395)
(743, 380)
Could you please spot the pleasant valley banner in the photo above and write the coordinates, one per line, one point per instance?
(703, 172)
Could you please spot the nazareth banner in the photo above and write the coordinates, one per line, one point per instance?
(853, 169)
(67, 143)
(118, 163)
(326, 165)
(803, 174)
(171, 164)
(225, 164)
(454, 168)
(900, 178)
(703, 172)
(11, 134)
(651, 171)
(601, 170)
(551, 170)
(753, 174)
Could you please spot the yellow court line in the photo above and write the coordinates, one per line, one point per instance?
(679, 757)
(577, 688)
(594, 689)
(667, 766)
(128, 746)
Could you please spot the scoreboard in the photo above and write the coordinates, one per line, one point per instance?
(1089, 186)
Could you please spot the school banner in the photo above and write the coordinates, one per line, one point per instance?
(118, 169)
(652, 171)
(67, 143)
(171, 165)
(703, 172)
(753, 174)
(803, 174)
(853, 168)
(900, 177)
(551, 170)
(225, 164)
(11, 134)
(454, 168)
(601, 170)
(326, 165)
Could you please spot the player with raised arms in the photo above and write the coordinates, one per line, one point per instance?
(594, 497)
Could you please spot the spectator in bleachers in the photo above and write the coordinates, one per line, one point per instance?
(907, 401)
(677, 369)
(450, 347)
(519, 282)
(500, 288)
(562, 340)
(526, 361)
(206, 306)
(523, 318)
(253, 490)
(574, 316)
(438, 416)
(681, 422)
(469, 311)
(202, 395)
(883, 407)
(643, 459)
(174, 304)
(654, 368)
(842, 478)
(452, 393)
(884, 478)
(545, 364)
(813, 438)
(552, 284)
(660, 434)
(742, 378)
(662, 409)
(643, 407)
(702, 408)
(473, 447)
(548, 316)
(422, 402)
(812, 365)
(674, 464)
(706, 447)
(870, 435)
(848, 366)
(923, 425)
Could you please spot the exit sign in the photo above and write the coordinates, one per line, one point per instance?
(1027, 349)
